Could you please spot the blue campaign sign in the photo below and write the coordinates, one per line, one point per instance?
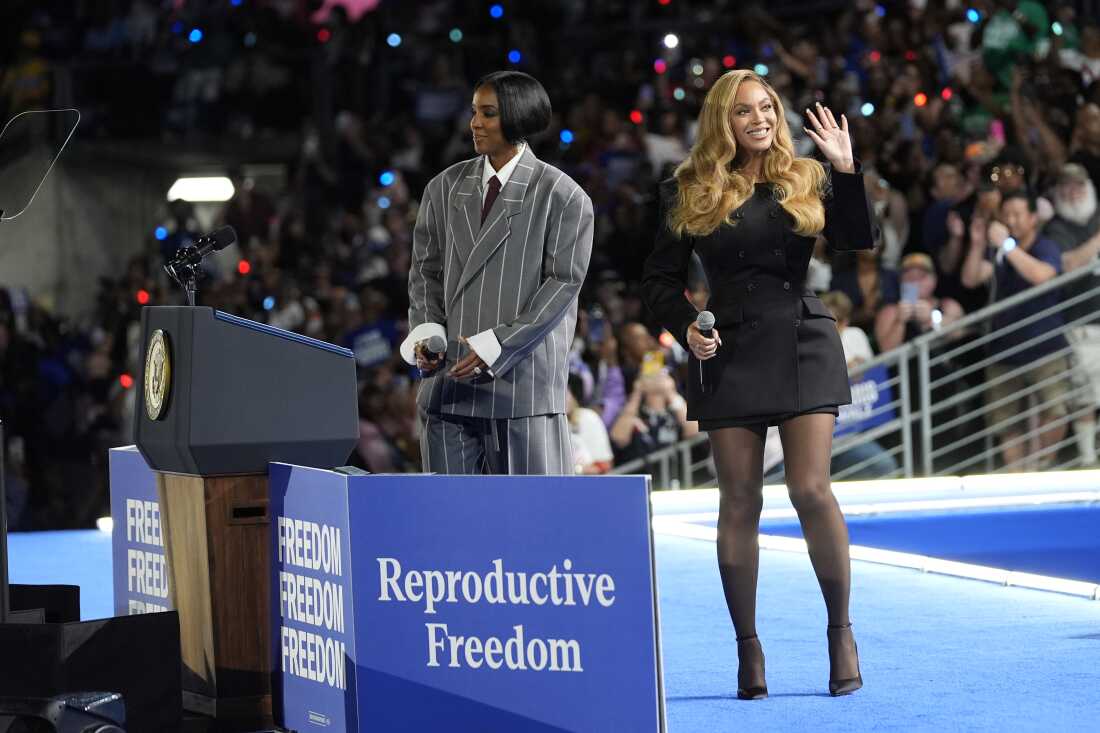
(870, 393)
(489, 603)
(312, 619)
(139, 568)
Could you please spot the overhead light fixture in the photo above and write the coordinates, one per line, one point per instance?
(200, 189)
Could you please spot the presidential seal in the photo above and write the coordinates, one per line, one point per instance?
(158, 375)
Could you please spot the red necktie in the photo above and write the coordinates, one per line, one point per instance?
(494, 189)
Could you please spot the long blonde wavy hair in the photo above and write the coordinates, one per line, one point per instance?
(710, 187)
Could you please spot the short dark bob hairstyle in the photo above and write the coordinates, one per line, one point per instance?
(524, 104)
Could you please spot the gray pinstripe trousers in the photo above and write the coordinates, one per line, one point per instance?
(535, 445)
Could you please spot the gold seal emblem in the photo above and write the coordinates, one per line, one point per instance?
(158, 375)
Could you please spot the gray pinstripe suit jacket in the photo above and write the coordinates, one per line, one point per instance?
(518, 275)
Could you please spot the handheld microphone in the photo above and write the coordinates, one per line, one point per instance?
(437, 345)
(705, 323)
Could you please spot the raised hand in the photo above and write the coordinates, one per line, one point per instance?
(831, 138)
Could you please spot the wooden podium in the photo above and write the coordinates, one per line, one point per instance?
(222, 397)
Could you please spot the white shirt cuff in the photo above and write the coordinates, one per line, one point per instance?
(423, 332)
(486, 346)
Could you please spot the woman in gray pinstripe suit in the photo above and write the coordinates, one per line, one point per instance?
(500, 250)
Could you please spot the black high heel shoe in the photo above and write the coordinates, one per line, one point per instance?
(848, 685)
(758, 692)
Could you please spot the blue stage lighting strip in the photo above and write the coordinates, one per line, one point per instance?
(290, 335)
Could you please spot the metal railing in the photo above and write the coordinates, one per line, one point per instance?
(930, 410)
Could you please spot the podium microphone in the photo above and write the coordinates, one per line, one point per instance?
(705, 323)
(193, 254)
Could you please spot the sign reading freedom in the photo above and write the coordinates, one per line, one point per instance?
(469, 603)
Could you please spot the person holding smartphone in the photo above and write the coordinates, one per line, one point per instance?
(918, 310)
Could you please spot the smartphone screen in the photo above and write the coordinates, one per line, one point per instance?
(909, 292)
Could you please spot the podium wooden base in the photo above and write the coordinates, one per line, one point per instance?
(217, 546)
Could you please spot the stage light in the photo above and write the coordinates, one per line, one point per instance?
(496, 11)
(729, 61)
(195, 35)
(946, 94)
(213, 188)
(880, 11)
(666, 339)
(383, 202)
(142, 296)
(973, 15)
(269, 303)
(236, 3)
(160, 233)
(671, 40)
(636, 116)
(244, 267)
(663, 2)
(660, 66)
(393, 40)
(566, 136)
(875, 57)
(1056, 28)
(761, 69)
(387, 178)
(105, 525)
(920, 99)
(697, 69)
(678, 94)
(867, 109)
(323, 35)
(514, 56)
(249, 39)
(455, 35)
(126, 381)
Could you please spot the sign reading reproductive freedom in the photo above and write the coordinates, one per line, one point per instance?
(139, 566)
(480, 603)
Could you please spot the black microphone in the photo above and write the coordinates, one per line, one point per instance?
(194, 253)
(705, 323)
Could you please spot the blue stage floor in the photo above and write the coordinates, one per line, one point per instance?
(938, 653)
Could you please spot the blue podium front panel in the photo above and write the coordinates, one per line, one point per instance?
(479, 603)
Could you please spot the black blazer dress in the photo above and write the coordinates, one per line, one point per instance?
(781, 353)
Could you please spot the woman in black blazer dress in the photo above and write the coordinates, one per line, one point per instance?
(751, 211)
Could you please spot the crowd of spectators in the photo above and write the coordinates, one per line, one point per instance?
(954, 109)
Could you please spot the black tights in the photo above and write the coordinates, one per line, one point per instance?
(739, 458)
